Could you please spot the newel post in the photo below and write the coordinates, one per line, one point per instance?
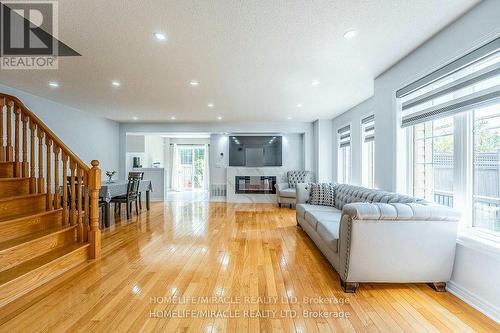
(94, 232)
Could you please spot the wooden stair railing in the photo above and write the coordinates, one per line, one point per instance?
(26, 138)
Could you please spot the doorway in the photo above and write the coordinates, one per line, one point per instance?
(191, 171)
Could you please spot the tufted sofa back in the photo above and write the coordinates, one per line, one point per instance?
(346, 194)
(295, 177)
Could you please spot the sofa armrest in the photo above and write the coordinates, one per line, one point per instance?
(397, 242)
(400, 211)
(281, 186)
(303, 193)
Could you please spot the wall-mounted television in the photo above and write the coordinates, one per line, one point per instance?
(255, 151)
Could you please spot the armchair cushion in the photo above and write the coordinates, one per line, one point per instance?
(287, 193)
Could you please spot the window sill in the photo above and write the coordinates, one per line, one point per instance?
(479, 241)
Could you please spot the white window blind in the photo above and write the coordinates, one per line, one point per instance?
(469, 82)
(344, 136)
(368, 127)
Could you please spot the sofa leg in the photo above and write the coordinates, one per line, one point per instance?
(438, 286)
(349, 287)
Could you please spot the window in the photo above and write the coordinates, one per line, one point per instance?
(433, 161)
(486, 196)
(344, 155)
(368, 151)
(452, 117)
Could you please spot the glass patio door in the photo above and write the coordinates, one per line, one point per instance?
(191, 168)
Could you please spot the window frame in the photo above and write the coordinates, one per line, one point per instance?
(341, 149)
(362, 141)
(463, 175)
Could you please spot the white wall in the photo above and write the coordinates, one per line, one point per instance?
(219, 144)
(90, 137)
(323, 138)
(474, 271)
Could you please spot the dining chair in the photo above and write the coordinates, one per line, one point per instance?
(139, 175)
(129, 198)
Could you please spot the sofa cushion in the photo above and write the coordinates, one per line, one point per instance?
(329, 232)
(288, 193)
(313, 217)
(322, 194)
(301, 209)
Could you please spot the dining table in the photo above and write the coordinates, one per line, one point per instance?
(119, 187)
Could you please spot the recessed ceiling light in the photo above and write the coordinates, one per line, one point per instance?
(219, 118)
(315, 83)
(53, 84)
(299, 105)
(289, 118)
(194, 83)
(160, 36)
(350, 34)
(116, 83)
(172, 118)
(211, 105)
(135, 118)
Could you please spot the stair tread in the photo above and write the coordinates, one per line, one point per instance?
(32, 215)
(13, 178)
(38, 262)
(22, 196)
(22, 214)
(33, 236)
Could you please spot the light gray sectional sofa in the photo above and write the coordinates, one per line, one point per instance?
(375, 236)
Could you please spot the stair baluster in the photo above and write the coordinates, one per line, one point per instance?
(17, 162)
(41, 180)
(86, 221)
(79, 228)
(65, 189)
(57, 192)
(2, 148)
(72, 193)
(32, 158)
(48, 144)
(25, 164)
(9, 148)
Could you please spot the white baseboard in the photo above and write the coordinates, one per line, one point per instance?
(476, 302)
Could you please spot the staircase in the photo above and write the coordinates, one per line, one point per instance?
(46, 227)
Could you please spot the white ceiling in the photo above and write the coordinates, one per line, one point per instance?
(255, 60)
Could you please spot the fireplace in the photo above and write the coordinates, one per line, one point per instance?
(255, 184)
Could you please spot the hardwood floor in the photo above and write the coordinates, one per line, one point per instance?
(236, 254)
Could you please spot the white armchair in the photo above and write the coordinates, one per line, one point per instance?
(285, 192)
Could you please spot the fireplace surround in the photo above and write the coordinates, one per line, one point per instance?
(255, 184)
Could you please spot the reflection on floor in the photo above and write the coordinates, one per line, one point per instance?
(217, 267)
(187, 196)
